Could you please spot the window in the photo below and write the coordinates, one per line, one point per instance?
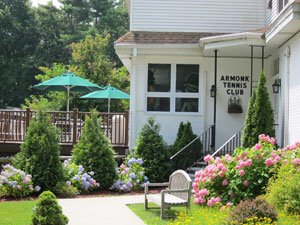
(173, 88)
(282, 4)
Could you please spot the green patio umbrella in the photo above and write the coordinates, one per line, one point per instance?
(109, 92)
(67, 82)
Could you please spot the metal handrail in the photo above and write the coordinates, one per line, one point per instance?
(201, 135)
(233, 142)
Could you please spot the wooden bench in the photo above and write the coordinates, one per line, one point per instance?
(178, 192)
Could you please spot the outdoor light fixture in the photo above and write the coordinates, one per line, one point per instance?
(276, 86)
(213, 91)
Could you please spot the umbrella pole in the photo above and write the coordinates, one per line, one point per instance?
(68, 99)
(108, 105)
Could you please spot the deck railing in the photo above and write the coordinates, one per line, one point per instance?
(14, 123)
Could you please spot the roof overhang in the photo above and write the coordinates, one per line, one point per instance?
(229, 40)
(285, 26)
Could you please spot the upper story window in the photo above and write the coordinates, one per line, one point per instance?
(173, 88)
(282, 4)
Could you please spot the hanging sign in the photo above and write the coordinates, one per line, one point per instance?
(235, 85)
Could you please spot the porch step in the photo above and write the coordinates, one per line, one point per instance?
(198, 166)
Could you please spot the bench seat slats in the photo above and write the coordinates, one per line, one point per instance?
(169, 199)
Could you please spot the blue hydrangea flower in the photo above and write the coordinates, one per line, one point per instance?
(145, 178)
(131, 161)
(140, 161)
(132, 175)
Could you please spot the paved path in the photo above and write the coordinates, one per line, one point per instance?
(101, 210)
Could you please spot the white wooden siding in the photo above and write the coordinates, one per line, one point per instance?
(271, 14)
(198, 15)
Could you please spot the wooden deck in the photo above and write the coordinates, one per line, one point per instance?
(14, 123)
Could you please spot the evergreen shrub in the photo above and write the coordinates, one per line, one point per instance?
(47, 211)
(192, 153)
(95, 153)
(154, 152)
(39, 155)
(260, 117)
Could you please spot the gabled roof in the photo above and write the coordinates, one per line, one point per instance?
(141, 37)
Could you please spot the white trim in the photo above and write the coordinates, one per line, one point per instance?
(173, 94)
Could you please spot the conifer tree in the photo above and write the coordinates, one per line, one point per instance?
(39, 155)
(95, 153)
(192, 153)
(247, 139)
(263, 116)
(48, 211)
(154, 152)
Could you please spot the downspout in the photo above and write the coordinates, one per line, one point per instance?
(133, 90)
(286, 98)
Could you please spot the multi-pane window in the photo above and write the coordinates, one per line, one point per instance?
(282, 4)
(173, 88)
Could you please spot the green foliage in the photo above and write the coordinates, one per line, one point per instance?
(94, 152)
(65, 191)
(241, 176)
(39, 155)
(48, 211)
(253, 211)
(184, 136)
(247, 139)
(283, 191)
(154, 152)
(261, 117)
(18, 43)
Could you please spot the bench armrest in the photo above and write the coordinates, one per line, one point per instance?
(154, 185)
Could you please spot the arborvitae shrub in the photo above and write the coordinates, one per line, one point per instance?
(255, 211)
(95, 153)
(192, 153)
(154, 152)
(47, 211)
(263, 116)
(39, 155)
(247, 139)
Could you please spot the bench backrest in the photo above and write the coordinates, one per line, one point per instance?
(181, 180)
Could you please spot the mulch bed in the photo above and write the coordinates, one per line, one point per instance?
(94, 194)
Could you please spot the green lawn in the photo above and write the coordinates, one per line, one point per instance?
(16, 213)
(199, 215)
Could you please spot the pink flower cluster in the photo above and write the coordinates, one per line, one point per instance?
(296, 161)
(265, 138)
(275, 158)
(293, 146)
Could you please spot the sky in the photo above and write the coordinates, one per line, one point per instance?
(44, 2)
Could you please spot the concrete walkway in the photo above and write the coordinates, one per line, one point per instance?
(101, 210)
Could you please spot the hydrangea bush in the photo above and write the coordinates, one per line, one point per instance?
(16, 183)
(244, 175)
(76, 177)
(131, 177)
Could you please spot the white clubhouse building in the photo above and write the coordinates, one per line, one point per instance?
(177, 50)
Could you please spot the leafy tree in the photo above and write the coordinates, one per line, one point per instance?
(192, 153)
(19, 38)
(247, 139)
(50, 25)
(39, 155)
(154, 152)
(263, 116)
(94, 152)
(48, 211)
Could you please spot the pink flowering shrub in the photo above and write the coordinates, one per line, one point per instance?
(16, 183)
(131, 177)
(243, 175)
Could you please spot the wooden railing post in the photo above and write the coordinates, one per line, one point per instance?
(126, 127)
(27, 117)
(75, 115)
